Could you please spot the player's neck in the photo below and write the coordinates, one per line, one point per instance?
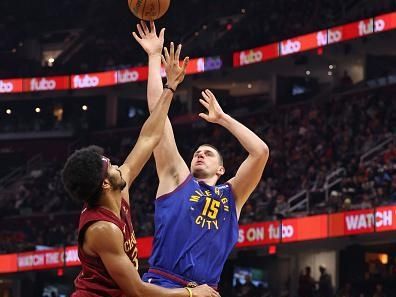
(111, 201)
(211, 181)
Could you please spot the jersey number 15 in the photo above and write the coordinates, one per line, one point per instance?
(211, 208)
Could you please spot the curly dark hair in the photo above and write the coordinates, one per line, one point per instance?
(82, 175)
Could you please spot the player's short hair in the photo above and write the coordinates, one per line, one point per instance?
(82, 175)
(213, 147)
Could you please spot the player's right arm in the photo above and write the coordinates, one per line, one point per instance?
(171, 168)
(105, 240)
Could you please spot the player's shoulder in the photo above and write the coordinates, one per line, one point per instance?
(102, 229)
(102, 236)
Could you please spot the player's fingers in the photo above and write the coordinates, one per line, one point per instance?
(166, 54)
(152, 27)
(185, 64)
(214, 293)
(205, 96)
(138, 39)
(172, 51)
(204, 103)
(163, 60)
(144, 26)
(162, 34)
(178, 50)
(204, 116)
(210, 94)
(140, 30)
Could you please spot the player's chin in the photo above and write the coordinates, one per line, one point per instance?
(198, 172)
(122, 184)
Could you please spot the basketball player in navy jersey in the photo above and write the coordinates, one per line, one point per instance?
(106, 241)
(196, 221)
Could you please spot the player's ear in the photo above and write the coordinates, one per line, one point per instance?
(220, 171)
(106, 184)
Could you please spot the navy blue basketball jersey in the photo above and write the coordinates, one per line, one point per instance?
(196, 227)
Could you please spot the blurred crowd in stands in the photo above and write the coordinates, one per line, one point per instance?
(322, 286)
(307, 142)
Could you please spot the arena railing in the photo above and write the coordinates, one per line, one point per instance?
(333, 179)
(19, 172)
(299, 201)
(378, 149)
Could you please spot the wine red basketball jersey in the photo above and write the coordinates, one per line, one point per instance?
(94, 280)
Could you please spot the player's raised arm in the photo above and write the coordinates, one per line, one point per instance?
(251, 170)
(171, 168)
(153, 128)
(121, 269)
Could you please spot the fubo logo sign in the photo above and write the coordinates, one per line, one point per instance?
(85, 81)
(125, 76)
(250, 57)
(6, 87)
(42, 84)
(379, 25)
(290, 47)
(283, 231)
(365, 28)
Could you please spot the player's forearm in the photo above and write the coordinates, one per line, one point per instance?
(253, 144)
(149, 290)
(154, 125)
(154, 85)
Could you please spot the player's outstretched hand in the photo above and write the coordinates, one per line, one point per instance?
(204, 291)
(209, 101)
(174, 73)
(148, 39)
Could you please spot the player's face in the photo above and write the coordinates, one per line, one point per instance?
(115, 178)
(206, 163)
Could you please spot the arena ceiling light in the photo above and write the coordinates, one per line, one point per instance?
(8, 111)
(51, 61)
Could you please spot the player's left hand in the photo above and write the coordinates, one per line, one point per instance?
(174, 72)
(148, 39)
(215, 113)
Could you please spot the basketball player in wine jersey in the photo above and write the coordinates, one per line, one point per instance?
(106, 241)
(196, 221)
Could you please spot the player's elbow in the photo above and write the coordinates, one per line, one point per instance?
(265, 149)
(262, 151)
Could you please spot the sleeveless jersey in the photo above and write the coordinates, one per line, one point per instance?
(94, 280)
(196, 227)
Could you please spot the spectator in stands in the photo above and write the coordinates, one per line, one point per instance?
(306, 286)
(347, 205)
(282, 207)
(325, 283)
(346, 80)
(248, 289)
(379, 291)
(366, 202)
(346, 291)
(334, 203)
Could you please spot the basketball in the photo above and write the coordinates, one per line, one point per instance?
(148, 10)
